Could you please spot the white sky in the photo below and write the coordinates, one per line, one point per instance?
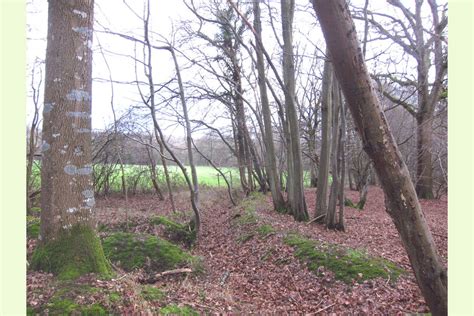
(165, 16)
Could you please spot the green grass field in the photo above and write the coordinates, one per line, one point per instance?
(138, 177)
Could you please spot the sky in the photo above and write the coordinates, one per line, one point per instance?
(124, 17)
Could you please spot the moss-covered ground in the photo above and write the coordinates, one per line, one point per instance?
(73, 253)
(346, 264)
(133, 251)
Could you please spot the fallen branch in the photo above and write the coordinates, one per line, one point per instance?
(315, 219)
(224, 277)
(175, 271)
(323, 309)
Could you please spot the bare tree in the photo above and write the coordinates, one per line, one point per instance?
(401, 199)
(419, 41)
(270, 157)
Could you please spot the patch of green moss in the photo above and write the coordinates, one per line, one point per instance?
(30, 311)
(114, 297)
(347, 265)
(131, 251)
(176, 232)
(35, 210)
(245, 237)
(360, 205)
(32, 226)
(152, 293)
(59, 306)
(173, 309)
(265, 230)
(74, 252)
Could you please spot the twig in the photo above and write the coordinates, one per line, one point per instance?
(175, 271)
(294, 283)
(315, 219)
(224, 277)
(439, 235)
(322, 309)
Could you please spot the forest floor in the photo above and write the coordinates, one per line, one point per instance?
(248, 268)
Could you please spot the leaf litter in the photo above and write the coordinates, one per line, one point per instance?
(260, 275)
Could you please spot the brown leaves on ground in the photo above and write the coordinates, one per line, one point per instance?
(258, 273)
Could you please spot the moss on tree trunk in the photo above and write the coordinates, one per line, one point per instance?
(72, 253)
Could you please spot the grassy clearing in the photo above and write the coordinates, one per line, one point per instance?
(346, 264)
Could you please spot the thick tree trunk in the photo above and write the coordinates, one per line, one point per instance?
(68, 244)
(296, 194)
(326, 112)
(270, 156)
(401, 199)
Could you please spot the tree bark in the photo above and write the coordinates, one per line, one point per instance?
(295, 170)
(401, 199)
(326, 112)
(68, 244)
(270, 156)
(333, 195)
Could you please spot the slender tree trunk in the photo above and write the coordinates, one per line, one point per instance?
(342, 167)
(326, 112)
(296, 194)
(424, 167)
(152, 167)
(333, 195)
(401, 199)
(188, 130)
(68, 244)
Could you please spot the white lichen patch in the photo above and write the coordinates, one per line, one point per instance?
(84, 115)
(71, 210)
(82, 14)
(48, 107)
(62, 152)
(56, 135)
(68, 226)
(56, 79)
(45, 146)
(82, 130)
(90, 202)
(78, 151)
(79, 57)
(86, 170)
(83, 31)
(89, 44)
(88, 193)
(74, 170)
(78, 95)
(70, 169)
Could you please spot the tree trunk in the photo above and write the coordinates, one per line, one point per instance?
(270, 156)
(333, 195)
(401, 199)
(68, 244)
(296, 194)
(342, 166)
(424, 167)
(326, 112)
